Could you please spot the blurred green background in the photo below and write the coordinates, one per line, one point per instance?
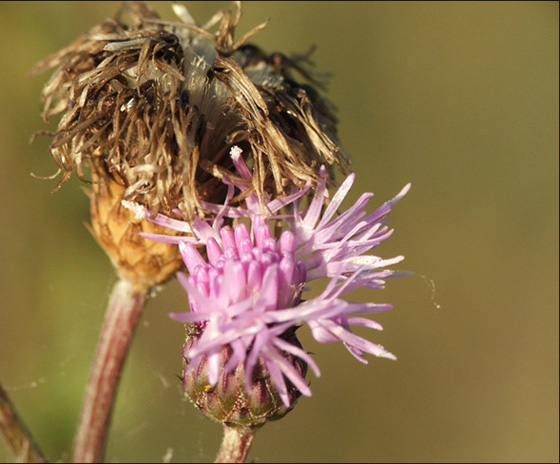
(459, 98)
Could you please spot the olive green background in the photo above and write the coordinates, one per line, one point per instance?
(459, 98)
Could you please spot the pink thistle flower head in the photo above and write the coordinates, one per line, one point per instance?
(246, 275)
(246, 300)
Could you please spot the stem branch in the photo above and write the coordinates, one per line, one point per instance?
(123, 313)
(236, 444)
(16, 434)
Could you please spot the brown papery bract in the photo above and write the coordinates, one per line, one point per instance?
(155, 106)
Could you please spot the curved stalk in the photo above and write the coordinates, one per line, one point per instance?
(123, 313)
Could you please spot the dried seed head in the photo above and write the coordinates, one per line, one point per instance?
(151, 109)
(155, 107)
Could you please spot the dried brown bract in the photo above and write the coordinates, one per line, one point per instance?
(155, 106)
(150, 110)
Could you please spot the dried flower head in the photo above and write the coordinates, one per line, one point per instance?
(153, 107)
(156, 106)
(246, 298)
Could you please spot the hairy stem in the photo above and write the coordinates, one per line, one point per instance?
(123, 313)
(236, 444)
(16, 434)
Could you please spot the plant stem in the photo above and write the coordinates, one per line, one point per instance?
(16, 434)
(236, 444)
(123, 313)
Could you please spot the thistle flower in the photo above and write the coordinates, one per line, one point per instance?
(153, 107)
(246, 298)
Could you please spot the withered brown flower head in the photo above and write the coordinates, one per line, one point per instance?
(155, 106)
(152, 108)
